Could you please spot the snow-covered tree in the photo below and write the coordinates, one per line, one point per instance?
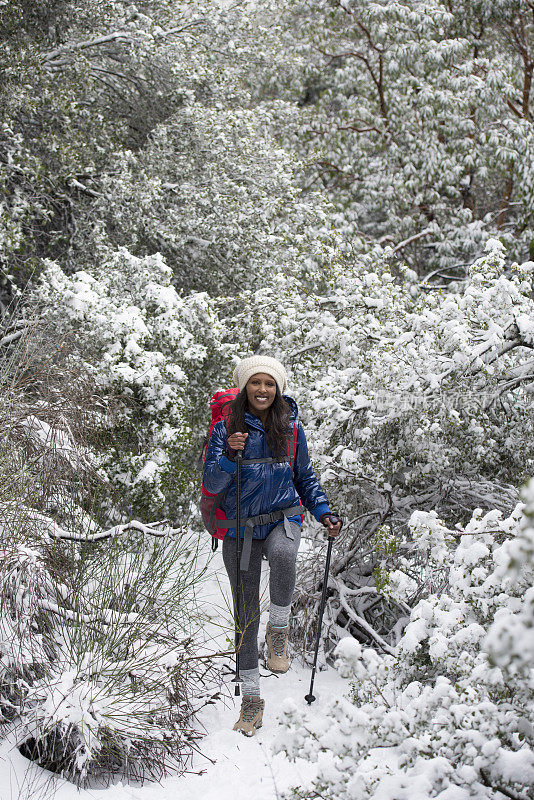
(133, 126)
(401, 382)
(415, 119)
(213, 193)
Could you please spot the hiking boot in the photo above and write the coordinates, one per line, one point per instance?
(277, 640)
(251, 716)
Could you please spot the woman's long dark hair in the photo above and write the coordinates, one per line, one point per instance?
(277, 425)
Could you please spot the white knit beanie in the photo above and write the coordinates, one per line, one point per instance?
(250, 366)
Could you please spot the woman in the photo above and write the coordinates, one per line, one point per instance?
(262, 424)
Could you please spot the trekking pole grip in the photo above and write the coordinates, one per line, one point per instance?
(334, 519)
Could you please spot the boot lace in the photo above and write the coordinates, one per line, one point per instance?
(278, 641)
(251, 706)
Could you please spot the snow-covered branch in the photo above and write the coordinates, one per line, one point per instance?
(50, 528)
(60, 56)
(414, 238)
(9, 338)
(356, 618)
(105, 616)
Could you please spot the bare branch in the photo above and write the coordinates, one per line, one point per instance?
(51, 528)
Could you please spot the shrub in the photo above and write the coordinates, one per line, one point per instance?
(452, 705)
(158, 354)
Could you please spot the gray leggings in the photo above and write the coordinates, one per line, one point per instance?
(281, 553)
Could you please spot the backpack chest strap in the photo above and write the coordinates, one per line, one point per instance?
(264, 460)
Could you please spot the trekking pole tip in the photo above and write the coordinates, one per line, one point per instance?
(237, 690)
(309, 699)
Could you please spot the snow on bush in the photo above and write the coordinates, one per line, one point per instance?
(451, 709)
(118, 691)
(511, 637)
(395, 380)
(95, 637)
(159, 354)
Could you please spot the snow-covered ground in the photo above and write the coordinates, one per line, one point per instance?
(236, 767)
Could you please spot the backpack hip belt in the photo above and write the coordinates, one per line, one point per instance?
(260, 519)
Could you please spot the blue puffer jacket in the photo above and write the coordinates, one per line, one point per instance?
(264, 487)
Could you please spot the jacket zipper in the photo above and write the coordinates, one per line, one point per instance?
(267, 488)
(261, 429)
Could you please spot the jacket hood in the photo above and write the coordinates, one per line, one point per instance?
(293, 406)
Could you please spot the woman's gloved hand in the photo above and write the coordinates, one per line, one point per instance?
(332, 523)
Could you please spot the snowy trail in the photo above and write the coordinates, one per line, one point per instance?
(243, 768)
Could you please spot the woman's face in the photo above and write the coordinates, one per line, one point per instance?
(261, 391)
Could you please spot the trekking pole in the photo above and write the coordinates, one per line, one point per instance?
(310, 697)
(237, 678)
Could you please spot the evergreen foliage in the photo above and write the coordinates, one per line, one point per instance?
(415, 120)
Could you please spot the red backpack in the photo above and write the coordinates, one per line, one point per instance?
(210, 503)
